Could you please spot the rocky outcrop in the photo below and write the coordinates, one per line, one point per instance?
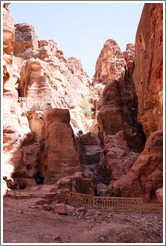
(146, 175)
(41, 87)
(129, 56)
(57, 82)
(37, 78)
(75, 66)
(8, 31)
(148, 73)
(26, 41)
(59, 154)
(116, 111)
(46, 49)
(93, 159)
(110, 64)
(20, 149)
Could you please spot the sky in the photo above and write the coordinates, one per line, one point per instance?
(81, 29)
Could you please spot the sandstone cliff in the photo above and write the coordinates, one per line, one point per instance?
(116, 109)
(37, 79)
(102, 136)
(148, 73)
(141, 175)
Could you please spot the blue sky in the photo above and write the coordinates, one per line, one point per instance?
(81, 29)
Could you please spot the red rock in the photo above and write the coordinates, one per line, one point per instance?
(47, 207)
(117, 121)
(41, 201)
(146, 175)
(129, 57)
(120, 156)
(60, 208)
(26, 41)
(148, 72)
(8, 30)
(75, 66)
(5, 5)
(110, 64)
(36, 123)
(6, 74)
(60, 156)
(41, 78)
(101, 189)
(159, 195)
(47, 48)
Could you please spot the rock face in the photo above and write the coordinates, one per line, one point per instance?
(93, 159)
(48, 99)
(57, 82)
(46, 48)
(129, 56)
(8, 31)
(60, 155)
(37, 78)
(26, 41)
(146, 175)
(110, 64)
(116, 110)
(148, 73)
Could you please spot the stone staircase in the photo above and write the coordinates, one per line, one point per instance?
(39, 94)
(39, 87)
(93, 152)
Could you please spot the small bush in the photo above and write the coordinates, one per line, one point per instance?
(74, 122)
(5, 46)
(86, 108)
(40, 103)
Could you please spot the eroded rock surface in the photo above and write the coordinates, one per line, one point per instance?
(26, 41)
(146, 175)
(131, 172)
(37, 78)
(60, 156)
(116, 111)
(148, 73)
(41, 87)
(110, 64)
(8, 31)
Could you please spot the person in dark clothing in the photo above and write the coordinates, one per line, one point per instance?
(39, 179)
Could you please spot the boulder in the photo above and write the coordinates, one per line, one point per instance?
(101, 189)
(60, 208)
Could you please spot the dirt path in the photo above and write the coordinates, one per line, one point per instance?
(26, 222)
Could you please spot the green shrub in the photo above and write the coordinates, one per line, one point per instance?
(5, 46)
(86, 108)
(74, 122)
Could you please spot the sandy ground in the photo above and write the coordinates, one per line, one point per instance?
(27, 220)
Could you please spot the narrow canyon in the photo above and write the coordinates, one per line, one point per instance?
(65, 132)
